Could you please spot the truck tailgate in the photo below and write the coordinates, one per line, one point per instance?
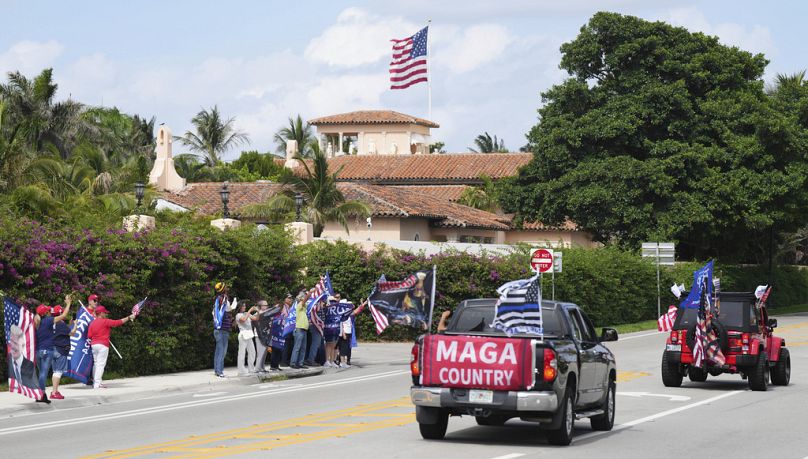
(474, 362)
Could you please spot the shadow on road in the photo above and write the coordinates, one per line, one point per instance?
(513, 433)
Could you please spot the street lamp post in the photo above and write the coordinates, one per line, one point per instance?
(298, 205)
(225, 194)
(139, 189)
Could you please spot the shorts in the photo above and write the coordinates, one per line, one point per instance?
(330, 336)
(59, 362)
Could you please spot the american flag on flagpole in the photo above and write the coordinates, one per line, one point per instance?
(320, 292)
(379, 318)
(17, 316)
(136, 308)
(409, 64)
(665, 322)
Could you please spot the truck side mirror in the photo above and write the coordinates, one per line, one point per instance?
(608, 334)
(772, 323)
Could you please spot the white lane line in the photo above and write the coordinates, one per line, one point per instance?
(662, 414)
(509, 456)
(195, 403)
(209, 394)
(640, 336)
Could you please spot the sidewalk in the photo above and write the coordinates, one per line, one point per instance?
(125, 389)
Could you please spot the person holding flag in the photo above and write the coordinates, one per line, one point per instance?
(221, 326)
(45, 327)
(61, 349)
(99, 331)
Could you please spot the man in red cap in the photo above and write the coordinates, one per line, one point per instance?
(99, 332)
(44, 323)
(61, 347)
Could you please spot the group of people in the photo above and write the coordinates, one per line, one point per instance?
(53, 343)
(317, 336)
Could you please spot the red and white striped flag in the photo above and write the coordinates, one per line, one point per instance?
(698, 345)
(316, 296)
(665, 322)
(136, 308)
(379, 318)
(409, 64)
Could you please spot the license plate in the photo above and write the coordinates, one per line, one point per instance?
(481, 396)
(674, 347)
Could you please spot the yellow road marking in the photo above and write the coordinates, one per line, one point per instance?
(625, 376)
(221, 443)
(791, 327)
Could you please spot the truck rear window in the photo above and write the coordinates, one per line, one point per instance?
(479, 319)
(735, 315)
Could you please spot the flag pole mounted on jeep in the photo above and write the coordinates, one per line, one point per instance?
(432, 302)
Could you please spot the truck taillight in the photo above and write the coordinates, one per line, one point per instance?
(414, 368)
(550, 366)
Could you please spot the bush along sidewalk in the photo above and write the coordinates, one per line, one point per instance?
(177, 264)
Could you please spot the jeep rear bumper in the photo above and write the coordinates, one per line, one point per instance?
(686, 358)
(510, 401)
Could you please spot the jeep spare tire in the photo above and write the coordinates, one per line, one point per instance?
(718, 328)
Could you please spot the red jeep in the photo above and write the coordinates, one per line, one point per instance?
(744, 331)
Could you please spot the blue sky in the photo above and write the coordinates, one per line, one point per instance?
(262, 61)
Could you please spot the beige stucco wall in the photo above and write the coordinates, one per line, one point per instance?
(551, 238)
(384, 229)
(412, 226)
(382, 135)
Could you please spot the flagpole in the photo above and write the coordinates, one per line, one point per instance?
(432, 302)
(429, 72)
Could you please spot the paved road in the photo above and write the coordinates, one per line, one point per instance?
(364, 412)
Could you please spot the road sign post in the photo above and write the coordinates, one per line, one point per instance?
(541, 261)
(663, 254)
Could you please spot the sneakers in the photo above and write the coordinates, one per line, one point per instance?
(57, 396)
(344, 365)
(328, 364)
(274, 369)
(44, 399)
(100, 386)
(221, 376)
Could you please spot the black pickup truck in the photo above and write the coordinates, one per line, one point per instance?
(472, 369)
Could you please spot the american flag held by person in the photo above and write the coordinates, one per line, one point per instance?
(519, 307)
(136, 308)
(319, 293)
(409, 64)
(21, 353)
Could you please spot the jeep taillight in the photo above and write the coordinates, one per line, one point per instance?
(674, 337)
(745, 342)
(415, 369)
(550, 366)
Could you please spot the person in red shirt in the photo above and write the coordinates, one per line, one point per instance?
(99, 332)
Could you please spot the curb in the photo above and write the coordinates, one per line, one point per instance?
(171, 388)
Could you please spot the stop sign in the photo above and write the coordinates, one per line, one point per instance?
(541, 260)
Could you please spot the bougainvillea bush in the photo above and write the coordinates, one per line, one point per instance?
(177, 264)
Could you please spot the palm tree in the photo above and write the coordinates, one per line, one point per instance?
(481, 197)
(295, 131)
(323, 200)
(487, 144)
(213, 135)
(38, 120)
(14, 157)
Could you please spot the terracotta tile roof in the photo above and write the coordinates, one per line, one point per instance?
(464, 168)
(372, 117)
(397, 202)
(204, 197)
(385, 201)
(445, 192)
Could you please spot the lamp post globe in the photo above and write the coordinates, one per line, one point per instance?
(225, 194)
(140, 187)
(298, 205)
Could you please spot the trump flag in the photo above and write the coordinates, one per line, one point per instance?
(81, 354)
(20, 350)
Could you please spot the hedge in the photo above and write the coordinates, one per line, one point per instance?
(177, 264)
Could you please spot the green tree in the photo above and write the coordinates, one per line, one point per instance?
(261, 164)
(37, 119)
(437, 147)
(296, 130)
(481, 197)
(214, 135)
(487, 144)
(323, 200)
(663, 134)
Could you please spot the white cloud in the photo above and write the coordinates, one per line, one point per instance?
(358, 38)
(30, 57)
(473, 47)
(756, 38)
(347, 93)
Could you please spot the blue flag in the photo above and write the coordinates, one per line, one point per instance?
(81, 354)
(702, 284)
(291, 319)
